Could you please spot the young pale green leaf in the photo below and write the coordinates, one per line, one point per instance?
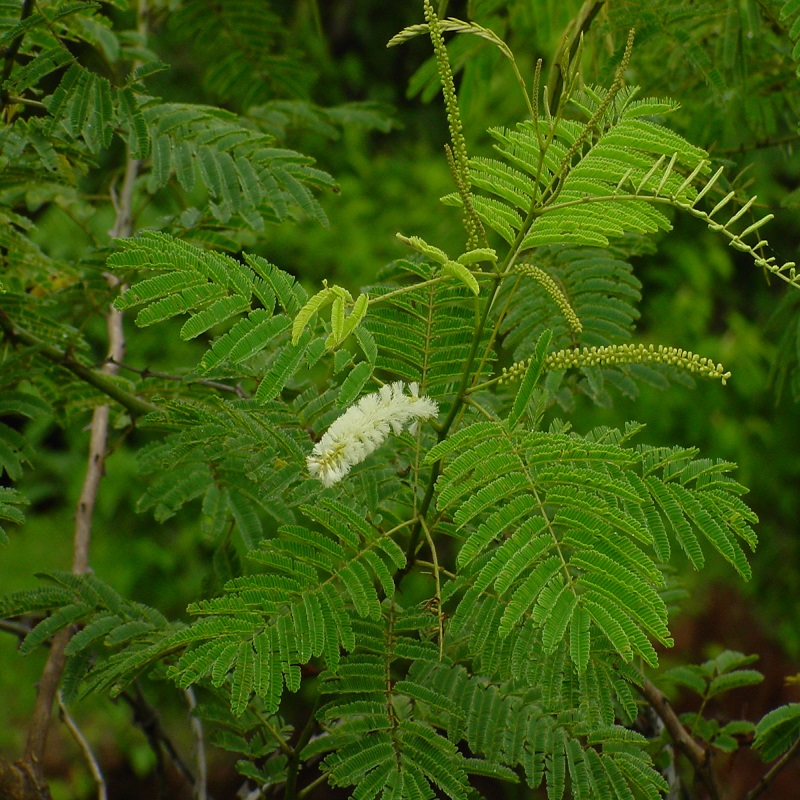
(530, 379)
(343, 326)
(314, 304)
(421, 246)
(337, 321)
(336, 295)
(456, 26)
(463, 274)
(478, 255)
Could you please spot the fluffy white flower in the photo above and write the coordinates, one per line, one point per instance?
(364, 427)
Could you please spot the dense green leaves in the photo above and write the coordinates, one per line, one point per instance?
(477, 599)
(576, 542)
(604, 194)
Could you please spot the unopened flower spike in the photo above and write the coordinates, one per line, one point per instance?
(610, 355)
(363, 428)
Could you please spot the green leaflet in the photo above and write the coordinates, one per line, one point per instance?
(387, 754)
(457, 269)
(580, 638)
(531, 377)
(346, 325)
(281, 371)
(777, 731)
(460, 272)
(11, 502)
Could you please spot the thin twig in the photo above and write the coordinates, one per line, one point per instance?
(698, 756)
(766, 779)
(94, 767)
(146, 718)
(568, 45)
(201, 784)
(24, 101)
(136, 406)
(19, 629)
(293, 768)
(430, 565)
(311, 786)
(435, 557)
(56, 659)
(146, 372)
(284, 746)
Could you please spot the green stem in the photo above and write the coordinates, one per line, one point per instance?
(435, 557)
(458, 402)
(373, 301)
(135, 406)
(311, 786)
(420, 562)
(284, 746)
(23, 101)
(293, 769)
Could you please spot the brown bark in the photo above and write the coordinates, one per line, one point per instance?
(698, 756)
(17, 782)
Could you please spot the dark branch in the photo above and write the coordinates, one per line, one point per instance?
(135, 406)
(146, 372)
(146, 718)
(766, 780)
(698, 756)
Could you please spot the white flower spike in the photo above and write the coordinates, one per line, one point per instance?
(363, 428)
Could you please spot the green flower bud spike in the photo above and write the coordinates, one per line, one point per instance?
(554, 290)
(625, 354)
(457, 154)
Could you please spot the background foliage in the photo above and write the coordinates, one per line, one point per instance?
(317, 80)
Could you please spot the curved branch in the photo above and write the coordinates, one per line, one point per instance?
(91, 760)
(766, 780)
(135, 405)
(698, 756)
(95, 468)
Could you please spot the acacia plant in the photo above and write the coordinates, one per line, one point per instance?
(461, 592)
